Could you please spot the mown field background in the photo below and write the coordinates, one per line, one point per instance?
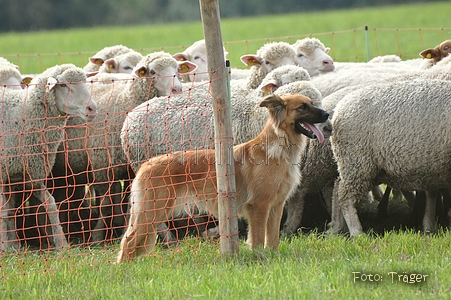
(340, 30)
(310, 266)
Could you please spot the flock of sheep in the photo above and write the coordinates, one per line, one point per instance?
(73, 138)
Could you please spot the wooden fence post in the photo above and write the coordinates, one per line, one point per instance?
(225, 168)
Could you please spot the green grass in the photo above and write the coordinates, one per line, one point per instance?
(307, 267)
(341, 30)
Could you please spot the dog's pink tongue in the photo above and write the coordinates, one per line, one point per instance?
(318, 133)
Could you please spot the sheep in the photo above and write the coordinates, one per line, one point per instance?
(197, 54)
(385, 58)
(394, 145)
(267, 58)
(186, 119)
(281, 76)
(432, 56)
(32, 128)
(319, 166)
(123, 63)
(10, 77)
(318, 172)
(360, 74)
(97, 60)
(95, 149)
(311, 54)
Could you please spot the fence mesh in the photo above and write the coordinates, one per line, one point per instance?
(92, 199)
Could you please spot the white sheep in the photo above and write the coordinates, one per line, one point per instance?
(10, 77)
(32, 128)
(124, 63)
(197, 54)
(186, 122)
(97, 60)
(395, 133)
(96, 148)
(360, 74)
(269, 57)
(311, 54)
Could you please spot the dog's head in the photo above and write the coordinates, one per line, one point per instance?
(295, 113)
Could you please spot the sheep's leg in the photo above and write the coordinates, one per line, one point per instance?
(429, 221)
(273, 226)
(112, 196)
(378, 192)
(295, 209)
(347, 195)
(338, 223)
(47, 199)
(383, 204)
(8, 238)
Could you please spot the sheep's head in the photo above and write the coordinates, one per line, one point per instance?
(197, 54)
(162, 70)
(282, 76)
(312, 55)
(123, 63)
(270, 56)
(65, 87)
(438, 53)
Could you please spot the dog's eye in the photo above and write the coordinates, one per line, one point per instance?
(303, 107)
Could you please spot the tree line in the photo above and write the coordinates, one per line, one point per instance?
(26, 15)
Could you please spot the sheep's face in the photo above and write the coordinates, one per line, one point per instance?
(121, 64)
(315, 62)
(73, 99)
(197, 54)
(163, 74)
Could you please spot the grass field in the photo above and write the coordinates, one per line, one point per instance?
(341, 30)
(311, 266)
(403, 265)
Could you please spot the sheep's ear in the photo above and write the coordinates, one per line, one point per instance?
(186, 66)
(96, 60)
(430, 53)
(90, 74)
(269, 87)
(327, 50)
(141, 71)
(111, 64)
(180, 57)
(51, 82)
(275, 105)
(251, 60)
(26, 80)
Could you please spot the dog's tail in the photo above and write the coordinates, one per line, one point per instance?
(140, 236)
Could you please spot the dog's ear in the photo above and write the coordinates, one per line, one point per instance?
(275, 105)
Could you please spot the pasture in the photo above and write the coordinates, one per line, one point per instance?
(382, 264)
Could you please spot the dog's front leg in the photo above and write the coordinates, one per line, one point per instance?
(257, 216)
(273, 226)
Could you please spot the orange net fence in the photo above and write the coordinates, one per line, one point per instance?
(66, 180)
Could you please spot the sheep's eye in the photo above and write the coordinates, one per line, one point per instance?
(196, 57)
(152, 72)
(128, 68)
(267, 62)
(63, 85)
(300, 55)
(446, 48)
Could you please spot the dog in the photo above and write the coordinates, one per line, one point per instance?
(266, 172)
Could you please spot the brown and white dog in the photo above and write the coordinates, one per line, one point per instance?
(266, 170)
